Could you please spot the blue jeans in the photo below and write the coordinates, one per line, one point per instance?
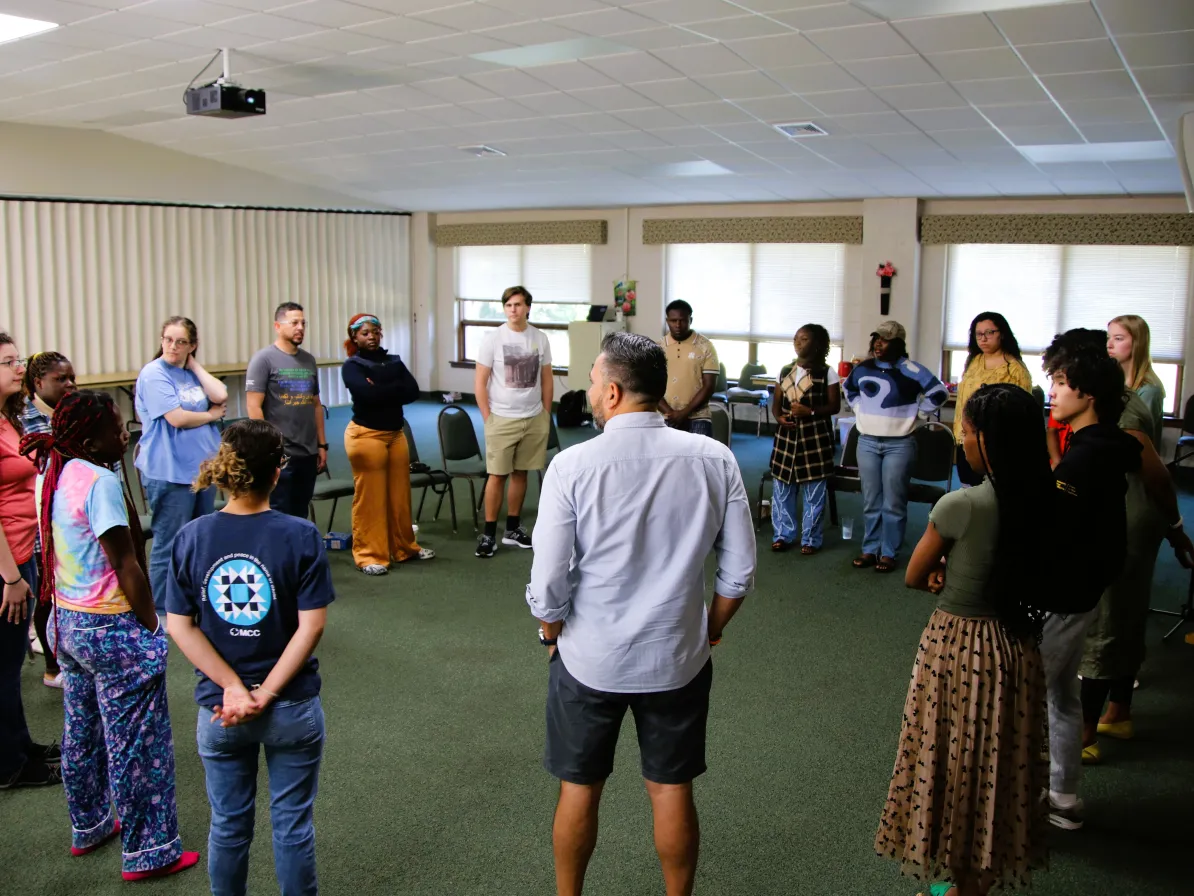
(783, 512)
(885, 466)
(172, 506)
(14, 642)
(296, 485)
(292, 733)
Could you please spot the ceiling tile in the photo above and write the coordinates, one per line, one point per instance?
(1119, 133)
(1147, 16)
(974, 138)
(682, 12)
(1166, 79)
(921, 96)
(1024, 115)
(779, 108)
(1072, 56)
(338, 40)
(458, 67)
(509, 82)
(470, 17)
(1091, 85)
(892, 72)
(1175, 48)
(1001, 90)
(742, 86)
(943, 34)
(748, 132)
(63, 12)
(674, 92)
(815, 78)
(1042, 135)
(739, 28)
(945, 119)
(595, 123)
(1105, 111)
(690, 135)
(1042, 24)
(633, 139)
(558, 103)
(402, 29)
(779, 51)
(972, 65)
(608, 99)
(464, 44)
(847, 102)
(831, 15)
(653, 117)
(331, 13)
(454, 116)
(603, 22)
(272, 27)
(570, 76)
(658, 38)
(631, 67)
(500, 110)
(877, 41)
(703, 60)
(187, 11)
(712, 113)
(874, 123)
(526, 34)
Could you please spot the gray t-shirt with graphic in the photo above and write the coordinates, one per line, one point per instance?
(291, 387)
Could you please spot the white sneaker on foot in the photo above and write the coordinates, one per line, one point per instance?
(374, 569)
(52, 682)
(1068, 818)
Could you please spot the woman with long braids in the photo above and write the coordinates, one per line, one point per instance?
(965, 801)
(48, 376)
(23, 763)
(118, 746)
(179, 404)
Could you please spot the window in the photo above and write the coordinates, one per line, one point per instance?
(750, 299)
(559, 279)
(1044, 290)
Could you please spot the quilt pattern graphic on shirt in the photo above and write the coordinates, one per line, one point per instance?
(522, 366)
(240, 590)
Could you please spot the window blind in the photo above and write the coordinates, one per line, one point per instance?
(555, 274)
(1044, 290)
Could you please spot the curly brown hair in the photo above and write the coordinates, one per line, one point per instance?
(247, 461)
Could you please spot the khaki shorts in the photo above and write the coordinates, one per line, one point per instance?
(515, 443)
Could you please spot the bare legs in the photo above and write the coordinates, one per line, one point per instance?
(495, 485)
(677, 835)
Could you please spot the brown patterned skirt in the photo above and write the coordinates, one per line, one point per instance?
(969, 792)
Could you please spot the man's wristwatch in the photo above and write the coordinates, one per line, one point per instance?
(544, 640)
(322, 446)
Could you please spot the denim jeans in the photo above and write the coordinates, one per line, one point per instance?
(295, 486)
(292, 733)
(783, 512)
(172, 506)
(885, 466)
(14, 642)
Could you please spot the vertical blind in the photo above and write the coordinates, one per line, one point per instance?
(95, 281)
(557, 274)
(1043, 290)
(764, 291)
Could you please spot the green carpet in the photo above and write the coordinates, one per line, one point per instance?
(434, 687)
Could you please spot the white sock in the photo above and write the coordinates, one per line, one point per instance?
(1063, 800)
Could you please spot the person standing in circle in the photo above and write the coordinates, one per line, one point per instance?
(380, 384)
(179, 405)
(282, 386)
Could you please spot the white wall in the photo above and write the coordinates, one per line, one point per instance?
(80, 163)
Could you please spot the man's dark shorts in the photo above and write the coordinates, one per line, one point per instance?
(583, 726)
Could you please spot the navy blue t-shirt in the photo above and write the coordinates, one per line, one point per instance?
(245, 578)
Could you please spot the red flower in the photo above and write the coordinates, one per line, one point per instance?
(886, 269)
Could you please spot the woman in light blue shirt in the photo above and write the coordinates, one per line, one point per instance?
(179, 404)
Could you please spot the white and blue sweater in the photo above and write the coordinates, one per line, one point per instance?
(887, 398)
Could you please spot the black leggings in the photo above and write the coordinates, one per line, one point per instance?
(1097, 691)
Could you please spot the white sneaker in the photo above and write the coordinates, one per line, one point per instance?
(1068, 819)
(55, 682)
(34, 644)
(374, 569)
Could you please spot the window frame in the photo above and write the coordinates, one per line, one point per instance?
(471, 363)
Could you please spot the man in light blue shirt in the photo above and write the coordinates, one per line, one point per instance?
(625, 524)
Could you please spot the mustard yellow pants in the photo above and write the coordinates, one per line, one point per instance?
(381, 514)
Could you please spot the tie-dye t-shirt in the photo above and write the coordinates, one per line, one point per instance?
(88, 503)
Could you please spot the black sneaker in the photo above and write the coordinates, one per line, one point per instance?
(518, 538)
(486, 546)
(48, 753)
(33, 774)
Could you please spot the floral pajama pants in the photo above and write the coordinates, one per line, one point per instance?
(118, 747)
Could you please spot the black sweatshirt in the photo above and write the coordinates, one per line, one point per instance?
(380, 385)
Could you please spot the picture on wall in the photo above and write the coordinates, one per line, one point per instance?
(626, 296)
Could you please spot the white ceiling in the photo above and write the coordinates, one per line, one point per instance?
(375, 97)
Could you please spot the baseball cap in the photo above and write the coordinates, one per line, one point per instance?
(891, 329)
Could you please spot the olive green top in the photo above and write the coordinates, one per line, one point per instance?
(1153, 396)
(969, 518)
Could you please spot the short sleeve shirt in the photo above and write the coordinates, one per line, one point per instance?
(244, 578)
(517, 361)
(969, 518)
(687, 364)
(17, 512)
(291, 387)
(167, 452)
(88, 503)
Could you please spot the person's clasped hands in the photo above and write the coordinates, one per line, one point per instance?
(241, 705)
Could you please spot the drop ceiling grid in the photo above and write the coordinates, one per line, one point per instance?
(929, 106)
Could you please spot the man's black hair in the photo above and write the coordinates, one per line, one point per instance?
(1081, 355)
(678, 305)
(285, 308)
(637, 364)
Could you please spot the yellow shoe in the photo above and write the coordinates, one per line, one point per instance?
(1118, 730)
(1091, 755)
(1190, 638)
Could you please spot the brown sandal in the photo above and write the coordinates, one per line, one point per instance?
(808, 550)
(780, 546)
(885, 564)
(862, 561)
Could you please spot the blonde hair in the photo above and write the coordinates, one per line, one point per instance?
(1142, 365)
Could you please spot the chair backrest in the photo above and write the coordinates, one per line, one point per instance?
(723, 384)
(935, 453)
(553, 435)
(1188, 415)
(410, 441)
(721, 423)
(850, 451)
(1037, 392)
(748, 371)
(457, 438)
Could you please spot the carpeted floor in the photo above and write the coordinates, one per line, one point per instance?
(433, 690)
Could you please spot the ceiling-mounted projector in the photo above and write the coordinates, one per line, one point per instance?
(223, 98)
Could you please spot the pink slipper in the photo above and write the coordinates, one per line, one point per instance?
(87, 850)
(185, 861)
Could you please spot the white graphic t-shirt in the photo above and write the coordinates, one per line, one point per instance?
(517, 361)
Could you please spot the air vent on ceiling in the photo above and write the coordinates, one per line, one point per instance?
(801, 129)
(482, 151)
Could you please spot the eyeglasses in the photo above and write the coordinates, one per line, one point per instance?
(14, 363)
(985, 334)
(175, 343)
